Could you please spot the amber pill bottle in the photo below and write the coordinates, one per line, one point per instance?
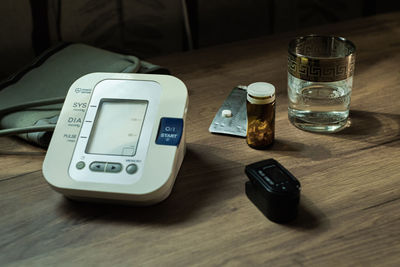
(260, 115)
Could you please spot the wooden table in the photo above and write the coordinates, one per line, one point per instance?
(350, 202)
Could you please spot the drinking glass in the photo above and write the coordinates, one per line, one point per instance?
(320, 80)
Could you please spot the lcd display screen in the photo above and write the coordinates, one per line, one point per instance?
(117, 127)
(275, 174)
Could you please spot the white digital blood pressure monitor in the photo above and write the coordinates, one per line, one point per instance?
(119, 137)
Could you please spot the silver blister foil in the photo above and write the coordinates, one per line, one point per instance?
(236, 124)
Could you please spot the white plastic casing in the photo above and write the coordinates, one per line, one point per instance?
(157, 164)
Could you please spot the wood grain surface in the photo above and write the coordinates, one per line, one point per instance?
(350, 200)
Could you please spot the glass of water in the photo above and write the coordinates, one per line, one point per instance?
(320, 80)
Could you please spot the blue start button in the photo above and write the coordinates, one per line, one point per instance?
(170, 131)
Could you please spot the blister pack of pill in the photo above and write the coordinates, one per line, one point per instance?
(231, 117)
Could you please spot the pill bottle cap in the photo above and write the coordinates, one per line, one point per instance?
(261, 93)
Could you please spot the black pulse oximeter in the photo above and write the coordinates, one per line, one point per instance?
(273, 189)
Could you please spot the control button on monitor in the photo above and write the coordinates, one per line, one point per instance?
(131, 168)
(80, 165)
(97, 166)
(170, 131)
(113, 167)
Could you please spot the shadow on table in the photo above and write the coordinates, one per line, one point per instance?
(200, 183)
(369, 127)
(309, 217)
(372, 127)
(311, 151)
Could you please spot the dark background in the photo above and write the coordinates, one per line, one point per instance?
(147, 28)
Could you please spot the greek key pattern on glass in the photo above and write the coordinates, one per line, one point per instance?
(321, 70)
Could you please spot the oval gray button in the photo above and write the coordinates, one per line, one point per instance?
(131, 168)
(113, 167)
(97, 166)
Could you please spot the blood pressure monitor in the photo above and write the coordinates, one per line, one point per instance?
(119, 137)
